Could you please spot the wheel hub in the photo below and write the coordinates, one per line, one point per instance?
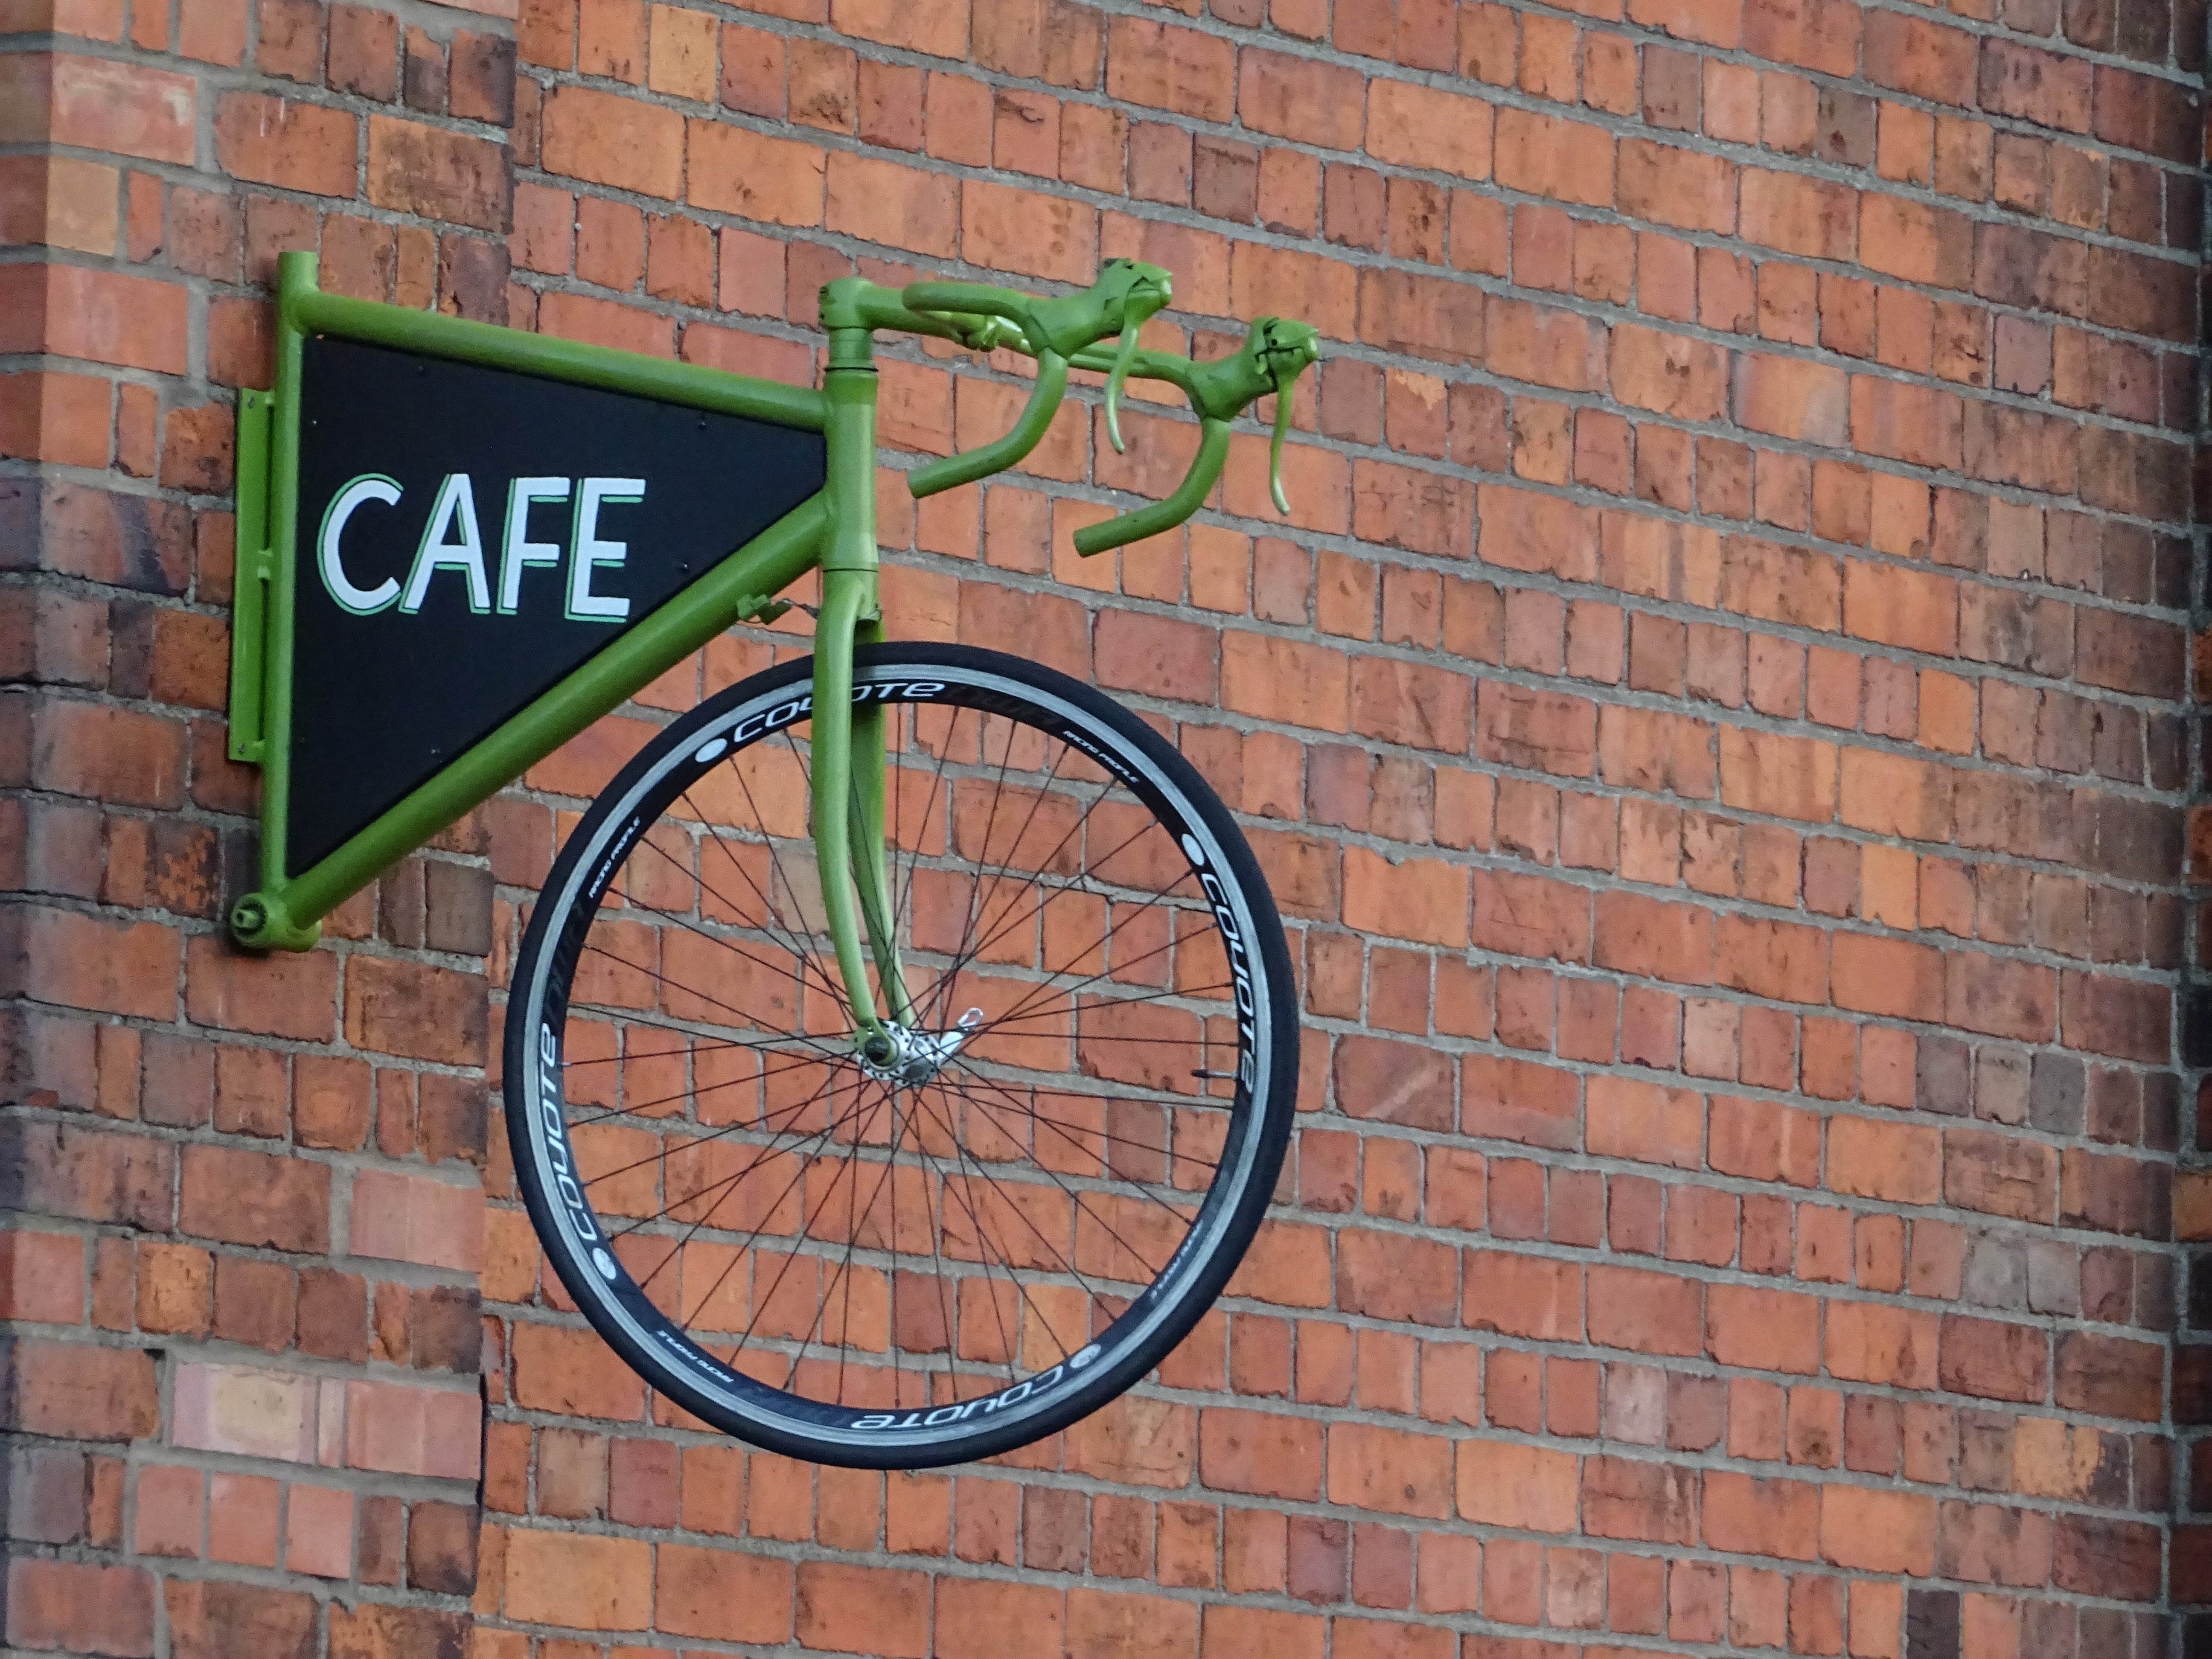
(906, 1057)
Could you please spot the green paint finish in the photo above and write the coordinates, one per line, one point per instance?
(833, 531)
(312, 312)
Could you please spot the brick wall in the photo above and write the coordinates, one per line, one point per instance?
(241, 1275)
(1716, 720)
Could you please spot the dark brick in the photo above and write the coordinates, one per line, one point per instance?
(1931, 1624)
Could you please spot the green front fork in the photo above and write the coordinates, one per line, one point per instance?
(850, 758)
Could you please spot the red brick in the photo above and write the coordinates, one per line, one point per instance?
(1164, 67)
(863, 1609)
(1763, 1330)
(277, 141)
(255, 1198)
(1651, 1313)
(722, 1594)
(1259, 1453)
(1761, 1518)
(1522, 1296)
(74, 1391)
(417, 168)
(1504, 1483)
(1416, 125)
(80, 1608)
(578, 1581)
(430, 1013)
(1685, 189)
(97, 103)
(1993, 1359)
(89, 961)
(609, 140)
(108, 317)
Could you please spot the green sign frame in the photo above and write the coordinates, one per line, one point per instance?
(284, 912)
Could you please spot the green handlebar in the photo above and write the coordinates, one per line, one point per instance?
(1125, 290)
(1190, 494)
(1067, 331)
(949, 471)
(1275, 353)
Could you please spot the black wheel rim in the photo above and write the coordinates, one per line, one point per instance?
(793, 1242)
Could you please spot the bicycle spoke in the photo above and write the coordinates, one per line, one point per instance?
(775, 859)
(726, 944)
(828, 1088)
(1005, 1260)
(1075, 1197)
(805, 1227)
(790, 941)
(844, 1268)
(724, 1188)
(693, 1093)
(761, 1155)
(827, 1046)
(687, 990)
(753, 1238)
(1035, 880)
(990, 823)
(1070, 1130)
(938, 1084)
(1103, 973)
(568, 1065)
(929, 806)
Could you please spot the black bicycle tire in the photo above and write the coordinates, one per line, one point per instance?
(729, 1401)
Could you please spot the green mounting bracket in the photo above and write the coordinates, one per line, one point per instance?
(251, 574)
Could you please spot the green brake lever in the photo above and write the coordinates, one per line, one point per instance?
(1288, 348)
(1126, 292)
(1274, 354)
(1127, 295)
(1136, 309)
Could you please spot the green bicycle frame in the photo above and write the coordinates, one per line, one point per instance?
(833, 531)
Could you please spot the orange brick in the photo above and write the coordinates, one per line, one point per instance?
(863, 1609)
(722, 1594)
(1565, 161)
(417, 168)
(108, 317)
(95, 103)
(1504, 1483)
(1165, 66)
(1669, 374)
(275, 141)
(578, 1581)
(777, 181)
(610, 140)
(1007, 229)
(1415, 125)
(1870, 1158)
(1380, 1469)
(902, 207)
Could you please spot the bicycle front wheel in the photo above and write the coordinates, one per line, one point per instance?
(939, 1253)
